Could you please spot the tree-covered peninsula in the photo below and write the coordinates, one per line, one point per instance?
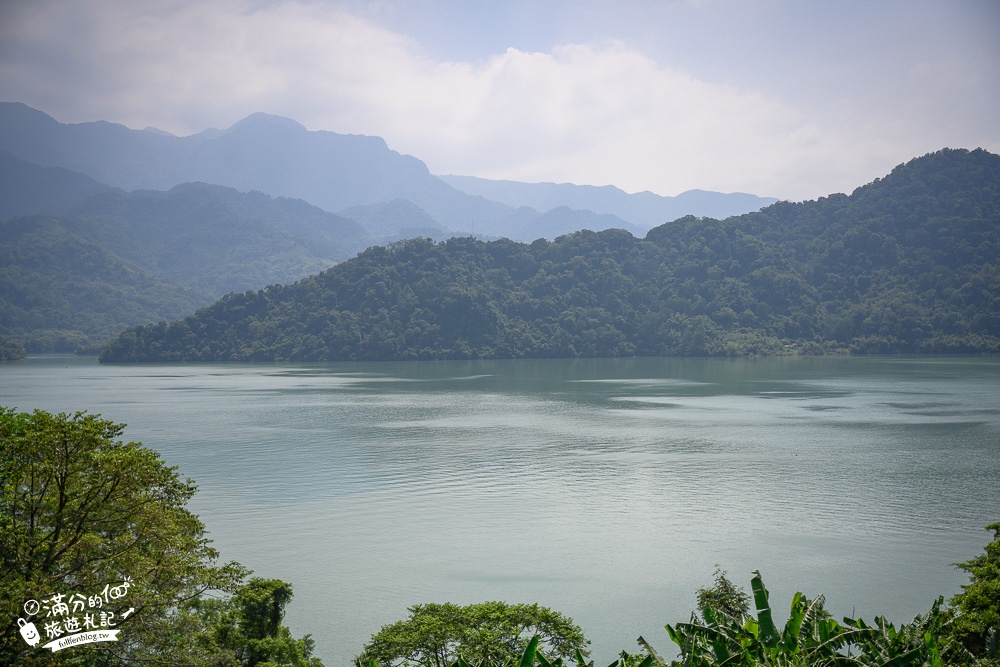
(908, 263)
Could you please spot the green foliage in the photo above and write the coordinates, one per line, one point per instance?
(11, 350)
(727, 634)
(81, 509)
(977, 623)
(905, 264)
(923, 640)
(246, 630)
(214, 239)
(120, 259)
(724, 597)
(724, 633)
(489, 633)
(59, 291)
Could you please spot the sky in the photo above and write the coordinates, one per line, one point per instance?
(793, 99)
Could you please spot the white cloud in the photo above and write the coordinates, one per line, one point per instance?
(594, 113)
(605, 113)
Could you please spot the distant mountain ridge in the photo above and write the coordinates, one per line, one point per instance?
(28, 189)
(642, 209)
(281, 158)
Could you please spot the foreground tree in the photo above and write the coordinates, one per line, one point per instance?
(246, 630)
(977, 607)
(724, 597)
(98, 532)
(724, 632)
(487, 633)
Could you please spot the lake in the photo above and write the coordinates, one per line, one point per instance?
(606, 489)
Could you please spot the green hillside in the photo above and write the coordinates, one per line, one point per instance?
(115, 259)
(216, 239)
(59, 291)
(907, 263)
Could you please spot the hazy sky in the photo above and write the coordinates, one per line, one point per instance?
(787, 98)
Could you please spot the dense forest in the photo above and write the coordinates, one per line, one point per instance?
(62, 292)
(907, 263)
(76, 278)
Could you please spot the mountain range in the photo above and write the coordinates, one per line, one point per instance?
(909, 263)
(263, 202)
(279, 157)
(645, 210)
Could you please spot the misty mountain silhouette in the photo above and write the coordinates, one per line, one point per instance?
(281, 158)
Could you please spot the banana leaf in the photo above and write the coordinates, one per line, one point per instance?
(768, 632)
(528, 657)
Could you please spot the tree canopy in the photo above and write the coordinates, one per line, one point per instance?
(725, 632)
(730, 628)
(87, 521)
(436, 635)
(11, 350)
(977, 624)
(60, 291)
(246, 630)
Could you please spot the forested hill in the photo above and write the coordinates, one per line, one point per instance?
(907, 263)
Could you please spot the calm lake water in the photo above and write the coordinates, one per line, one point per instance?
(606, 489)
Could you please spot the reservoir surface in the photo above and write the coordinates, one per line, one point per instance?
(609, 490)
